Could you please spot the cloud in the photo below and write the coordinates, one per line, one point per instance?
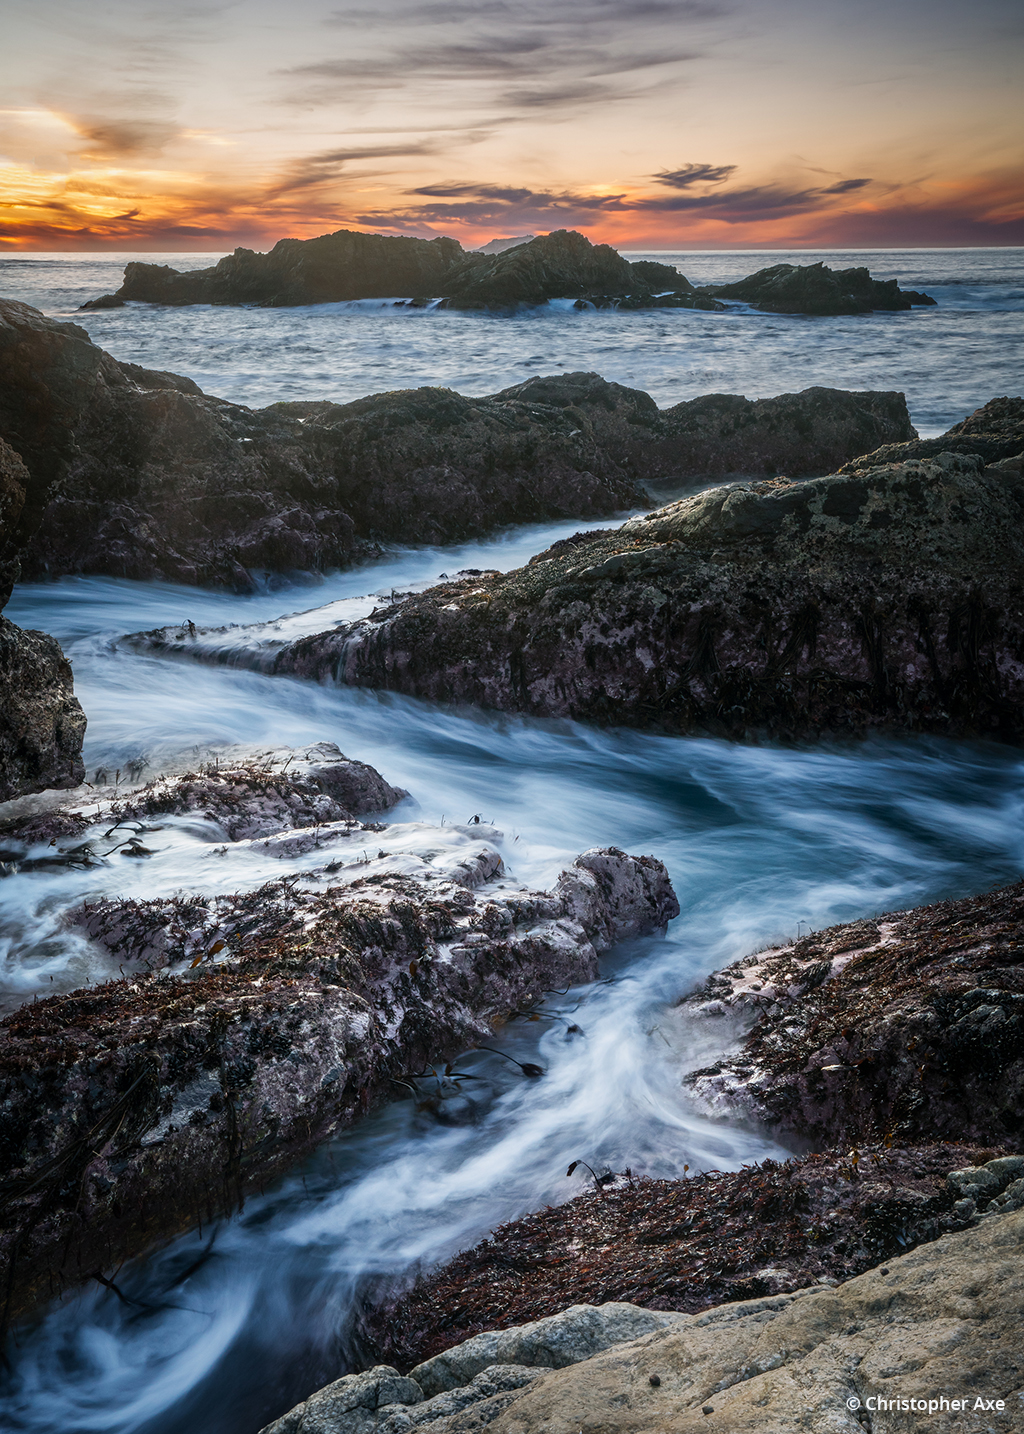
(691, 174)
(540, 56)
(846, 186)
(740, 206)
(329, 165)
(113, 138)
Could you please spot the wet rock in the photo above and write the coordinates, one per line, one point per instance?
(42, 724)
(560, 265)
(285, 789)
(817, 289)
(889, 599)
(683, 1245)
(349, 1405)
(939, 1322)
(994, 433)
(136, 1107)
(909, 1027)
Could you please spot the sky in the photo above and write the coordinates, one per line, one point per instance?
(647, 124)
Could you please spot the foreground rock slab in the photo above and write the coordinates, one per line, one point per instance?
(941, 1323)
(136, 1107)
(910, 1026)
(887, 599)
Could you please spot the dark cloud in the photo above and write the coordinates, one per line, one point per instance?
(494, 204)
(330, 164)
(691, 174)
(111, 138)
(739, 206)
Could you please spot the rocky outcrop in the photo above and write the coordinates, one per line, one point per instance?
(817, 289)
(41, 722)
(934, 1331)
(137, 473)
(909, 1026)
(137, 1106)
(887, 599)
(685, 1245)
(333, 267)
(348, 265)
(994, 433)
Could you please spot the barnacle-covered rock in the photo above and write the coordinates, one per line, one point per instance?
(133, 1108)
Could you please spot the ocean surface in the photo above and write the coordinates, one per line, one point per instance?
(220, 1332)
(948, 360)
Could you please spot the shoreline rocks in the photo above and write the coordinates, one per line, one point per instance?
(276, 1016)
(941, 1320)
(887, 599)
(137, 473)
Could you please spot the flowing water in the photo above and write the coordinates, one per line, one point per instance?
(226, 1328)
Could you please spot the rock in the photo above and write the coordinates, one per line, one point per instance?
(911, 1026)
(939, 1323)
(314, 784)
(347, 265)
(158, 480)
(42, 724)
(981, 1183)
(994, 433)
(134, 1107)
(333, 267)
(817, 289)
(137, 473)
(378, 1402)
(349, 1405)
(683, 1245)
(887, 600)
(565, 1338)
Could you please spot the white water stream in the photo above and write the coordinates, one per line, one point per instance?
(759, 842)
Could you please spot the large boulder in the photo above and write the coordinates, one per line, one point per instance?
(909, 1026)
(250, 1026)
(560, 265)
(892, 598)
(817, 289)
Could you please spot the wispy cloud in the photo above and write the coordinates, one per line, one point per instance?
(690, 174)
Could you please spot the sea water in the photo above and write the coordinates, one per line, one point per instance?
(223, 1330)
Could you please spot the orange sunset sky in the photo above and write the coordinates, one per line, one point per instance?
(128, 125)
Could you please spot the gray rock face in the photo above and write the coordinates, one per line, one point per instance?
(994, 433)
(349, 1405)
(562, 1339)
(887, 599)
(940, 1323)
(134, 1107)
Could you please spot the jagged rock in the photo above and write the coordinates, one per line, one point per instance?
(891, 599)
(560, 265)
(911, 1026)
(817, 289)
(941, 1323)
(686, 1245)
(158, 480)
(994, 433)
(134, 1107)
(333, 267)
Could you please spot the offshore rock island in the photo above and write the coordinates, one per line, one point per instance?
(562, 265)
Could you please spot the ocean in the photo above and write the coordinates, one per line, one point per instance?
(220, 1332)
